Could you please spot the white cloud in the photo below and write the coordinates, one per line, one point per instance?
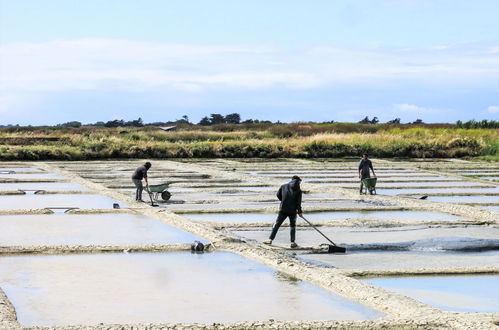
(108, 64)
(493, 109)
(411, 108)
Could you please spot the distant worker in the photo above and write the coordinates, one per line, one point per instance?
(290, 195)
(364, 165)
(139, 174)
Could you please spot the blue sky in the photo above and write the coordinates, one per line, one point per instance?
(318, 60)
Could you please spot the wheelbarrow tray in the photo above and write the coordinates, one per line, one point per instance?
(157, 188)
(369, 182)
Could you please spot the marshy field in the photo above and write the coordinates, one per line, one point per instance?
(78, 252)
(248, 141)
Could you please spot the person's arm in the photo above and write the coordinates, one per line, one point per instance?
(279, 193)
(360, 168)
(145, 177)
(300, 212)
(372, 168)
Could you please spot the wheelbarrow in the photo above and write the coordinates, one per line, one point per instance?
(156, 190)
(369, 184)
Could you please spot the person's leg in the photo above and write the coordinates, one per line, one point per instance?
(280, 219)
(364, 176)
(140, 188)
(138, 191)
(292, 227)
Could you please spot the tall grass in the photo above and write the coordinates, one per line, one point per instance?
(315, 140)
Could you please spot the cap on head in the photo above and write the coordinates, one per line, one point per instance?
(296, 177)
(147, 165)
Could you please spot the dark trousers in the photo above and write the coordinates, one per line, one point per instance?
(138, 192)
(280, 219)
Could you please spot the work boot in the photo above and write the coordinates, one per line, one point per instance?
(293, 245)
(268, 242)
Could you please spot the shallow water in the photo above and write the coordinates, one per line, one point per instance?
(20, 169)
(452, 293)
(95, 229)
(381, 184)
(84, 201)
(47, 186)
(490, 178)
(425, 191)
(324, 216)
(403, 185)
(423, 179)
(162, 288)
(465, 199)
(33, 176)
(495, 208)
(259, 204)
(340, 175)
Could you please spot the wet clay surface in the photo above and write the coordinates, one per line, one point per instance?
(418, 238)
(412, 261)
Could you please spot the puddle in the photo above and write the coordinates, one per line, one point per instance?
(34, 176)
(395, 185)
(426, 191)
(415, 238)
(490, 178)
(162, 288)
(450, 293)
(98, 229)
(466, 199)
(83, 201)
(422, 179)
(433, 184)
(20, 169)
(47, 186)
(339, 174)
(405, 260)
(495, 208)
(223, 206)
(324, 216)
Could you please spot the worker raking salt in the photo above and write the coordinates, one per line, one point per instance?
(290, 195)
(139, 174)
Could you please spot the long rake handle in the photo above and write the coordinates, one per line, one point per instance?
(320, 232)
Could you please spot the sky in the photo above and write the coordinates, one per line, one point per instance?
(286, 60)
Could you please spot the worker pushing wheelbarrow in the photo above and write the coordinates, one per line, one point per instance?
(154, 191)
(366, 182)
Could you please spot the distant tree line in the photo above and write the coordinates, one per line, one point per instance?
(235, 118)
(111, 123)
(478, 124)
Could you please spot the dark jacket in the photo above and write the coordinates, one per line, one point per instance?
(290, 196)
(364, 166)
(140, 173)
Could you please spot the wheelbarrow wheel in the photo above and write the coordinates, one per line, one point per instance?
(166, 195)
